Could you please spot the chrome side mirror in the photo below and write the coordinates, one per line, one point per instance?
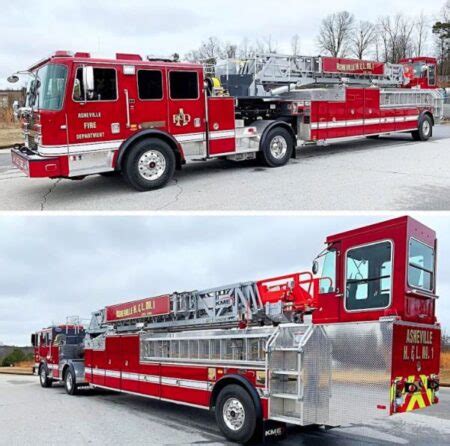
(88, 80)
(13, 79)
(315, 267)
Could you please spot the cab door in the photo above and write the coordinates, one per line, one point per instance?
(186, 110)
(97, 115)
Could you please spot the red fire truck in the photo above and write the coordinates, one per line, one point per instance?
(359, 341)
(58, 346)
(147, 118)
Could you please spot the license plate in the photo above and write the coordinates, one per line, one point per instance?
(21, 163)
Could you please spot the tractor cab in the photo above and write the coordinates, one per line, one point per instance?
(383, 270)
(421, 72)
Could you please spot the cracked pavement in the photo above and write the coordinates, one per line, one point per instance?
(392, 173)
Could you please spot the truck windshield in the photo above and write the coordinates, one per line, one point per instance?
(328, 281)
(421, 266)
(46, 90)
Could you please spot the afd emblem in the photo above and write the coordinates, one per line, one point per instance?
(181, 119)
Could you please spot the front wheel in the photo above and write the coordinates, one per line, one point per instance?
(277, 147)
(45, 381)
(149, 164)
(70, 383)
(425, 130)
(236, 414)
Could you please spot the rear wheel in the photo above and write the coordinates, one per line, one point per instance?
(70, 383)
(425, 130)
(43, 377)
(236, 414)
(149, 165)
(277, 147)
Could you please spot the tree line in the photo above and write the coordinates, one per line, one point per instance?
(341, 34)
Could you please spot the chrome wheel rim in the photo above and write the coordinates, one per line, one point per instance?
(43, 375)
(69, 381)
(278, 147)
(426, 128)
(152, 165)
(234, 414)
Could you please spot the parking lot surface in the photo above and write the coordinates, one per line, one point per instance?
(32, 415)
(390, 173)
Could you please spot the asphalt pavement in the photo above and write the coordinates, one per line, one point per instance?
(31, 415)
(392, 173)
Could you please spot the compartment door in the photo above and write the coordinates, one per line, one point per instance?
(372, 125)
(114, 361)
(355, 112)
(221, 123)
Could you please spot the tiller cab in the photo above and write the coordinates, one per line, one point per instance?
(359, 342)
(147, 118)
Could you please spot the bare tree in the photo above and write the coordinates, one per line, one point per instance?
(335, 33)
(210, 50)
(295, 45)
(396, 37)
(230, 50)
(421, 34)
(364, 38)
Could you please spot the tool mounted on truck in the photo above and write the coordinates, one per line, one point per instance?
(146, 118)
(360, 341)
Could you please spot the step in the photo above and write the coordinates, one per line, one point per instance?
(285, 419)
(285, 372)
(285, 396)
(286, 349)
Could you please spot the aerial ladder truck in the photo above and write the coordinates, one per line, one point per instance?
(357, 342)
(146, 118)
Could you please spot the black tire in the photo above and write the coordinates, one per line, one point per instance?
(70, 382)
(45, 381)
(425, 130)
(156, 151)
(231, 394)
(266, 154)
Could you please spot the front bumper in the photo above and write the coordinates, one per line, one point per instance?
(35, 166)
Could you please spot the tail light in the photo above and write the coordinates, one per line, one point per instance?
(412, 387)
(399, 387)
(434, 384)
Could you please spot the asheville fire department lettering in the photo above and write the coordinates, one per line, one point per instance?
(91, 115)
(417, 345)
(90, 135)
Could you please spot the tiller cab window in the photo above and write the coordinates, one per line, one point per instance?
(421, 266)
(46, 90)
(369, 277)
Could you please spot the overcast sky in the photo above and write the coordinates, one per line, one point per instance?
(31, 30)
(52, 267)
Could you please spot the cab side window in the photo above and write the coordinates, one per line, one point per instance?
(95, 84)
(369, 277)
(150, 85)
(183, 85)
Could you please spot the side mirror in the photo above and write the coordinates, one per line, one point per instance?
(88, 79)
(315, 267)
(13, 79)
(33, 340)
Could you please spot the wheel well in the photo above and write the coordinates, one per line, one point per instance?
(285, 125)
(427, 113)
(157, 135)
(242, 382)
(64, 371)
